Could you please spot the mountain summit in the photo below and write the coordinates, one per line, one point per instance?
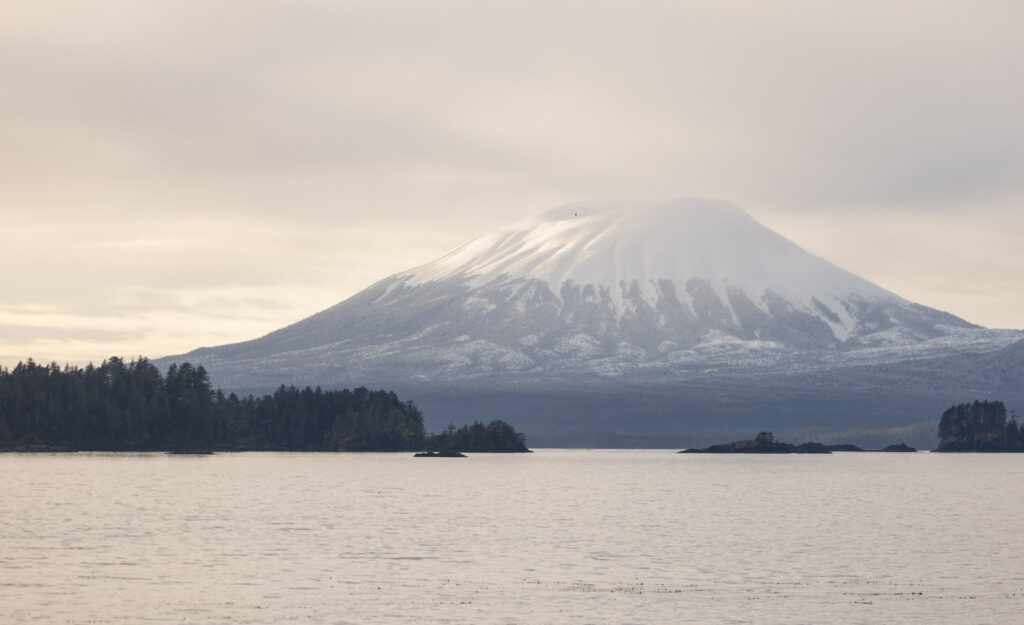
(687, 267)
(647, 291)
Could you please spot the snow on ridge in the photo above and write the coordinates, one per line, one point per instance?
(615, 244)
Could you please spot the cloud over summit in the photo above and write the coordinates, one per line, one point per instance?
(447, 119)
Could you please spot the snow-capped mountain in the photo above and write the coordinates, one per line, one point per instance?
(652, 291)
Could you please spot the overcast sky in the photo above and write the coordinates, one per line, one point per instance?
(187, 173)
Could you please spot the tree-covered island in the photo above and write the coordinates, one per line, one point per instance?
(131, 406)
(980, 426)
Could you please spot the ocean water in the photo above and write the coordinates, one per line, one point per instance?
(552, 537)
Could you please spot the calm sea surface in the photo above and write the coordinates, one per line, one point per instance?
(550, 537)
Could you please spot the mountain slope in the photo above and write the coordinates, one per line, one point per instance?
(644, 292)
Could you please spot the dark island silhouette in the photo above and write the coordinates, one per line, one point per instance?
(765, 443)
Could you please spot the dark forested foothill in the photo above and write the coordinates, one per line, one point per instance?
(980, 426)
(130, 406)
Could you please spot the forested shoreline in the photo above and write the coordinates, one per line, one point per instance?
(131, 406)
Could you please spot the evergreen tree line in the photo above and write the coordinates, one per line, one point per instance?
(980, 426)
(121, 406)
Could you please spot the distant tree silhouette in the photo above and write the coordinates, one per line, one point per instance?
(979, 426)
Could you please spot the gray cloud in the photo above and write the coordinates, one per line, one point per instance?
(254, 106)
(426, 123)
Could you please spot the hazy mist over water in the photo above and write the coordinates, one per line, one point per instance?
(552, 537)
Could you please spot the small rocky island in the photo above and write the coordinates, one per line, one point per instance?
(765, 443)
(902, 447)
